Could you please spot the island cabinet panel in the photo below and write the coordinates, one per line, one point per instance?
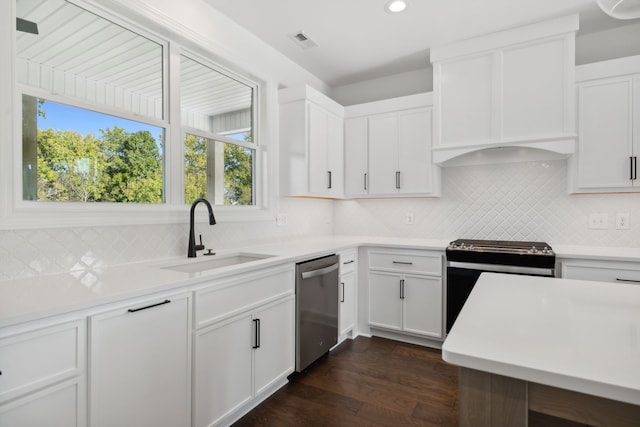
(140, 363)
(489, 400)
(42, 374)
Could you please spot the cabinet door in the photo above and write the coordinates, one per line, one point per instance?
(347, 295)
(414, 152)
(222, 369)
(423, 305)
(139, 364)
(54, 406)
(317, 154)
(355, 156)
(466, 100)
(526, 86)
(605, 132)
(274, 357)
(335, 155)
(385, 305)
(383, 154)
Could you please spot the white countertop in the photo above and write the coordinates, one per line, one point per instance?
(32, 298)
(572, 334)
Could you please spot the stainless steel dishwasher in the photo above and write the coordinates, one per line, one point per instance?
(316, 309)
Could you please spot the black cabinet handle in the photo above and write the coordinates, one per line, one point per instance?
(342, 299)
(329, 174)
(398, 180)
(365, 181)
(348, 262)
(133, 310)
(635, 167)
(628, 280)
(256, 337)
(631, 168)
(402, 289)
(402, 262)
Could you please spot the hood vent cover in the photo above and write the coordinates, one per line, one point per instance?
(303, 40)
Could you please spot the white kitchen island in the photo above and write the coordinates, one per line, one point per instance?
(567, 348)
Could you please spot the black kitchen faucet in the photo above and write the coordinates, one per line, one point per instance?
(192, 235)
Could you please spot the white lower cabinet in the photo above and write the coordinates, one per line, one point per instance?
(139, 371)
(602, 271)
(347, 293)
(42, 374)
(242, 353)
(405, 292)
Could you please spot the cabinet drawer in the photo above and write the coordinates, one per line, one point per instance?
(347, 261)
(601, 273)
(240, 293)
(413, 262)
(36, 358)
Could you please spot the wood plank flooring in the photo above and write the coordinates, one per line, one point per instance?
(366, 382)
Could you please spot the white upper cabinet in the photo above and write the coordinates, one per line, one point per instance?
(311, 144)
(608, 127)
(512, 88)
(388, 148)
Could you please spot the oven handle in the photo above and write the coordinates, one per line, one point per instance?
(502, 268)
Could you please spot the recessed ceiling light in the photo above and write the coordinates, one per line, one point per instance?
(395, 6)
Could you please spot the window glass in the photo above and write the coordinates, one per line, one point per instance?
(220, 172)
(214, 102)
(67, 50)
(76, 155)
(219, 149)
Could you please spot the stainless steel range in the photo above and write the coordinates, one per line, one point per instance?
(467, 259)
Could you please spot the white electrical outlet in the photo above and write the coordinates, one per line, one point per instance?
(281, 219)
(622, 221)
(599, 221)
(409, 218)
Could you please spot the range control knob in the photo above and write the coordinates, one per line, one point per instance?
(533, 250)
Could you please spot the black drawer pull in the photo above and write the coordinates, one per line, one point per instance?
(628, 280)
(256, 342)
(403, 262)
(402, 289)
(348, 262)
(133, 310)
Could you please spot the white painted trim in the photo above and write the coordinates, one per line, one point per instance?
(394, 104)
(506, 38)
(612, 68)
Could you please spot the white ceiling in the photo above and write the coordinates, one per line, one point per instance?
(357, 40)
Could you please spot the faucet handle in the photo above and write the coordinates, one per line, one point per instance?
(200, 247)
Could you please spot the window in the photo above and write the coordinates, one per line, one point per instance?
(74, 151)
(219, 151)
(99, 131)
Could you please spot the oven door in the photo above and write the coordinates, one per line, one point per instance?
(460, 282)
(462, 276)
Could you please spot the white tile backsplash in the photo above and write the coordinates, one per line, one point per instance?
(520, 201)
(26, 253)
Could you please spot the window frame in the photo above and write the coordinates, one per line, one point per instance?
(16, 213)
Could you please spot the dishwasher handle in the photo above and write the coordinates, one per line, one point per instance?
(319, 272)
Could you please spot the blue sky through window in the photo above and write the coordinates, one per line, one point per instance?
(64, 117)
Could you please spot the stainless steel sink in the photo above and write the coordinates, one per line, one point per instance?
(206, 263)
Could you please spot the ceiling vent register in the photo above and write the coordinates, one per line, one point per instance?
(303, 40)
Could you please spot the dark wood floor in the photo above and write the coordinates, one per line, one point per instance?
(366, 382)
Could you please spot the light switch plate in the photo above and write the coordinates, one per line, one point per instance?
(599, 221)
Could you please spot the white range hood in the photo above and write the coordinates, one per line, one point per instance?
(511, 89)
